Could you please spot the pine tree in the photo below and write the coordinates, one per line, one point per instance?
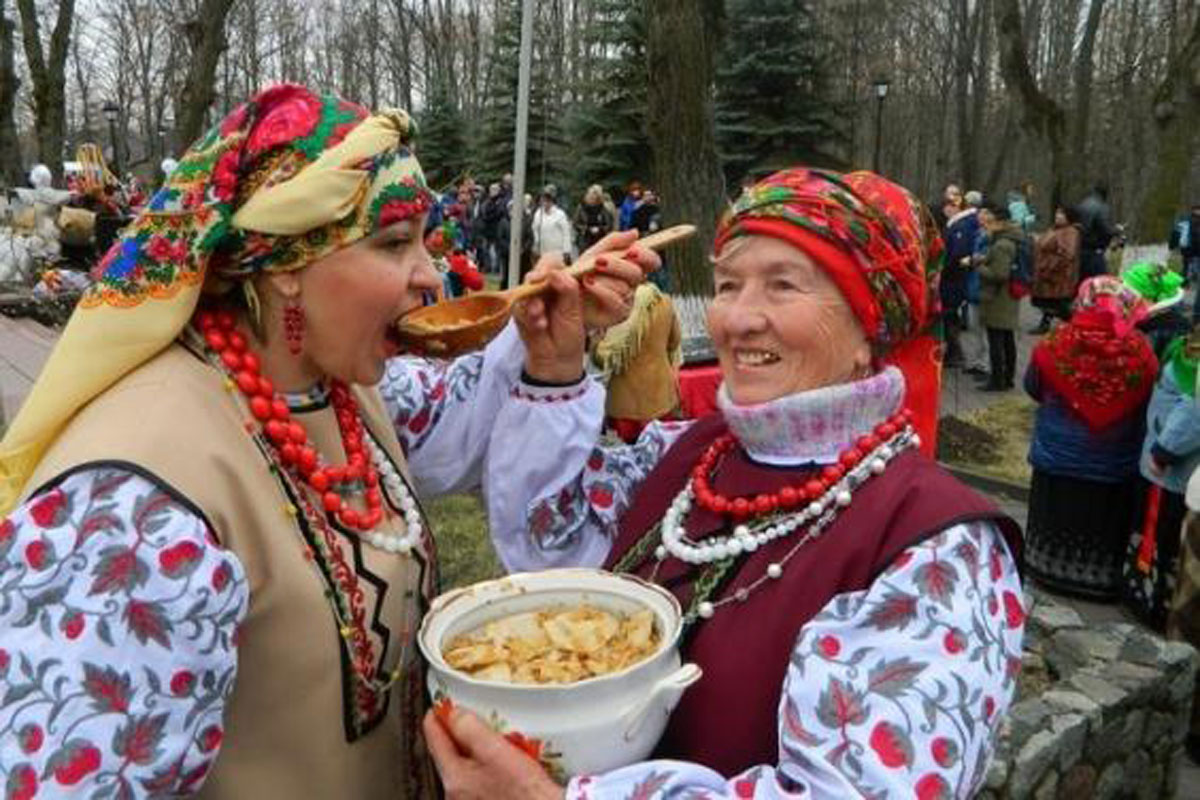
(773, 109)
(609, 128)
(442, 139)
(547, 151)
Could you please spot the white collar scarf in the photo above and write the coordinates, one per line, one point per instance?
(815, 426)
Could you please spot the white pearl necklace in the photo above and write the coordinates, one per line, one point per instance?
(392, 483)
(817, 515)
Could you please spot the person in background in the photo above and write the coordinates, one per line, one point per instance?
(641, 357)
(494, 212)
(1162, 288)
(1019, 208)
(1185, 240)
(998, 309)
(1183, 621)
(1170, 454)
(633, 197)
(950, 203)
(1095, 221)
(551, 228)
(974, 335)
(961, 231)
(1055, 269)
(592, 222)
(1091, 377)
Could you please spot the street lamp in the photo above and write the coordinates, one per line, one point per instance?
(164, 130)
(880, 85)
(111, 111)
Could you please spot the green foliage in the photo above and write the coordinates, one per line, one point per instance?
(442, 140)
(773, 105)
(609, 124)
(547, 151)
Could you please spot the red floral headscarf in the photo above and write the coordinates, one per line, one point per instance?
(879, 245)
(1098, 362)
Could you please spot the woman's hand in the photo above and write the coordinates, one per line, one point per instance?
(553, 325)
(476, 763)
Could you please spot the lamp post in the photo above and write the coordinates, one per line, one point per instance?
(164, 129)
(880, 85)
(111, 111)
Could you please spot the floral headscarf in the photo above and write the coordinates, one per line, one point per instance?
(1098, 361)
(878, 244)
(285, 179)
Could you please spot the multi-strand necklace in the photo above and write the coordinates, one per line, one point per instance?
(806, 508)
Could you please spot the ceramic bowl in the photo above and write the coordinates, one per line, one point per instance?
(590, 726)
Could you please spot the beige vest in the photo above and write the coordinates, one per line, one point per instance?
(288, 722)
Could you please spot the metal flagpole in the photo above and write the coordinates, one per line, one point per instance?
(517, 214)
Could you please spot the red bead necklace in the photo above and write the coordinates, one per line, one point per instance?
(788, 497)
(288, 437)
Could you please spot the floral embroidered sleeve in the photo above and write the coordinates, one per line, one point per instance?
(893, 692)
(443, 411)
(553, 495)
(118, 628)
(557, 503)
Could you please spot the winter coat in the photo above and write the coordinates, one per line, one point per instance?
(1185, 236)
(592, 224)
(551, 231)
(1095, 222)
(960, 243)
(1063, 444)
(1056, 264)
(1172, 434)
(997, 307)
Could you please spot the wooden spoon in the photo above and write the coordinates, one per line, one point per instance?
(454, 327)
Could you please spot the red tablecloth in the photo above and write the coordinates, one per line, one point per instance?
(698, 389)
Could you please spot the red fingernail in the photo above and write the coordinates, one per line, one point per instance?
(601, 262)
(631, 253)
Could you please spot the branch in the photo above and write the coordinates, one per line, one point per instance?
(1040, 113)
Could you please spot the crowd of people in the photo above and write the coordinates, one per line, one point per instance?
(482, 222)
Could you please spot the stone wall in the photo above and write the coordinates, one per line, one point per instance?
(1102, 713)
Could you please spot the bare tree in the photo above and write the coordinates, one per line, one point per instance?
(205, 34)
(47, 71)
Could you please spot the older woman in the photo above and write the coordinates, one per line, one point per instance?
(1091, 378)
(857, 612)
(213, 561)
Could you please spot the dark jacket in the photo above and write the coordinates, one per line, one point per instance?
(1063, 444)
(960, 244)
(997, 307)
(592, 223)
(1095, 222)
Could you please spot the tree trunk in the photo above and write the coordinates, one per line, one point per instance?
(681, 46)
(206, 34)
(1176, 117)
(10, 146)
(1084, 68)
(48, 73)
(1041, 117)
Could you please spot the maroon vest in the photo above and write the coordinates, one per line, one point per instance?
(729, 719)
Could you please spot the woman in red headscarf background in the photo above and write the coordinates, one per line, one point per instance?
(856, 611)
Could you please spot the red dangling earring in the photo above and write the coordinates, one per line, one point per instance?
(293, 326)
